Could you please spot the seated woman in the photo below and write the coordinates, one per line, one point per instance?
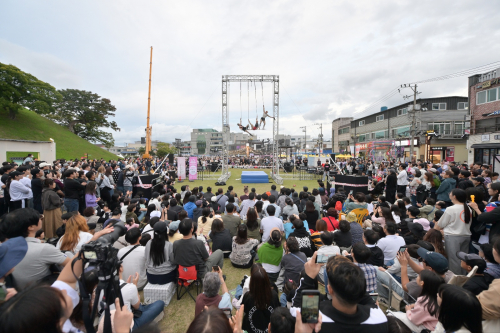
(290, 208)
(331, 217)
(270, 254)
(77, 233)
(221, 238)
(302, 236)
(205, 222)
(343, 237)
(316, 236)
(89, 214)
(160, 268)
(242, 253)
(212, 283)
(253, 224)
(259, 301)
(293, 261)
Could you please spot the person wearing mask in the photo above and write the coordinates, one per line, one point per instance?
(159, 256)
(259, 302)
(455, 223)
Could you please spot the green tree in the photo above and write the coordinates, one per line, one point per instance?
(141, 150)
(163, 149)
(19, 89)
(86, 114)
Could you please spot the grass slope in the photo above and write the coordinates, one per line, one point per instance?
(30, 126)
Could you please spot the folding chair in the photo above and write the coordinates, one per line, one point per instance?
(361, 213)
(460, 280)
(187, 277)
(397, 302)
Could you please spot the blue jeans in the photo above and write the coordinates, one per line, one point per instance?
(120, 188)
(126, 189)
(71, 205)
(413, 199)
(149, 313)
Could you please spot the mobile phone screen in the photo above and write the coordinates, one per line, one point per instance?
(310, 307)
(402, 249)
(322, 258)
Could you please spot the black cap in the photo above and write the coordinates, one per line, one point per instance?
(478, 179)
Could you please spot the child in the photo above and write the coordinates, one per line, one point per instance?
(441, 205)
(40, 235)
(143, 209)
(131, 214)
(424, 313)
(126, 202)
(131, 224)
(90, 195)
(288, 293)
(427, 212)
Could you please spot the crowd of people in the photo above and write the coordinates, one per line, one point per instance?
(426, 235)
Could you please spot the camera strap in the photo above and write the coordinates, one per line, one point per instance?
(126, 254)
(86, 298)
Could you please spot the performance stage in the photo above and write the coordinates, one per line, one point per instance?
(248, 177)
(352, 183)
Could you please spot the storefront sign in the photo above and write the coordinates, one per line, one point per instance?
(491, 114)
(485, 137)
(486, 84)
(406, 142)
(437, 148)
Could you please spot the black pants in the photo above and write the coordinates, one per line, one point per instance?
(402, 189)
(16, 205)
(106, 195)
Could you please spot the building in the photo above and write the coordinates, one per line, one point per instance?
(386, 134)
(341, 135)
(484, 139)
(122, 150)
(142, 143)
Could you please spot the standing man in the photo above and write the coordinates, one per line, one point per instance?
(326, 173)
(72, 190)
(402, 179)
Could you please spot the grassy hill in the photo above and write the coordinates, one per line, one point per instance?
(30, 126)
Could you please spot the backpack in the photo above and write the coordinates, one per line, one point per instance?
(437, 182)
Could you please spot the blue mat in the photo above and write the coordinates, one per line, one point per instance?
(254, 177)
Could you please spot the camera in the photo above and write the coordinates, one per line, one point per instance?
(102, 249)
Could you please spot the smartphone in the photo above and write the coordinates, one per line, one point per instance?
(351, 192)
(402, 249)
(310, 306)
(215, 268)
(323, 258)
(374, 296)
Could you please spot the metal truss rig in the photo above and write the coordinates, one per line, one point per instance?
(226, 127)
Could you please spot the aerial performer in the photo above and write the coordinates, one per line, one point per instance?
(265, 114)
(256, 126)
(244, 128)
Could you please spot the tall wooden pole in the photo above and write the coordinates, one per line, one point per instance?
(148, 128)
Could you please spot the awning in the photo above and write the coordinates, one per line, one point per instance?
(486, 145)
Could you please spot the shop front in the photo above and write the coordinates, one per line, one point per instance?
(437, 154)
(486, 153)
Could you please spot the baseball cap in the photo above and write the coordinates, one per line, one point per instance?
(160, 227)
(174, 226)
(469, 258)
(41, 165)
(155, 213)
(12, 253)
(478, 179)
(435, 260)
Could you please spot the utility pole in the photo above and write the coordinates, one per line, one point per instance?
(149, 128)
(305, 138)
(413, 130)
(320, 138)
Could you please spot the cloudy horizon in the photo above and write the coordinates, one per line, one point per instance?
(334, 59)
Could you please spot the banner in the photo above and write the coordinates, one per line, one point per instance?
(193, 168)
(181, 168)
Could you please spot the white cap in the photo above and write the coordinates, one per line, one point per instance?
(41, 165)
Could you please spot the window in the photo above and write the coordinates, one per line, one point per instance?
(441, 128)
(462, 106)
(362, 137)
(380, 118)
(487, 96)
(459, 128)
(439, 106)
(381, 134)
(401, 131)
(344, 130)
(402, 112)
(361, 123)
(492, 95)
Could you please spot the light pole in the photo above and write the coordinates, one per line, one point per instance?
(305, 138)
(320, 143)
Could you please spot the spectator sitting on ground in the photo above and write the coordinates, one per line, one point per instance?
(189, 251)
(133, 257)
(370, 238)
(230, 219)
(331, 219)
(212, 283)
(328, 249)
(303, 238)
(343, 237)
(221, 238)
(242, 253)
(316, 236)
(293, 261)
(270, 254)
(480, 281)
(269, 223)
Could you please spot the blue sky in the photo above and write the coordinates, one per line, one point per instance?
(334, 58)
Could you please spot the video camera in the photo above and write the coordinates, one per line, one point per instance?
(102, 249)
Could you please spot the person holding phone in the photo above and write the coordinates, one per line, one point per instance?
(355, 201)
(351, 309)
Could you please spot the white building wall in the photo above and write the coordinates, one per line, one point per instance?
(46, 149)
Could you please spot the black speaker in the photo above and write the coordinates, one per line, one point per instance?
(170, 159)
(332, 156)
(214, 166)
(146, 180)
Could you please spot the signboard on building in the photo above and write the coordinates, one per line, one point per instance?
(485, 137)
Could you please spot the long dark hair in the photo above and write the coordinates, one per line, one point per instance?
(459, 308)
(310, 206)
(461, 197)
(258, 206)
(495, 187)
(260, 287)
(252, 217)
(242, 235)
(432, 281)
(147, 217)
(45, 312)
(435, 237)
(217, 226)
(387, 214)
(212, 319)
(157, 250)
(186, 197)
(91, 188)
(205, 212)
